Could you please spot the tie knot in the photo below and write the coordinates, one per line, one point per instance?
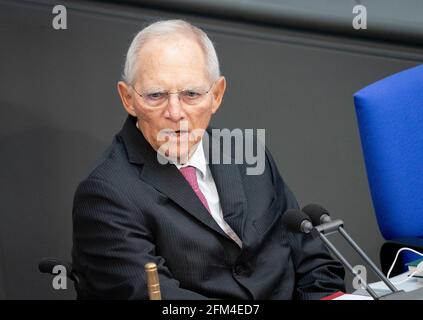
(188, 170)
(190, 175)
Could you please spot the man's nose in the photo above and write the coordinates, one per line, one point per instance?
(174, 108)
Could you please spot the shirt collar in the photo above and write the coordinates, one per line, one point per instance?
(197, 160)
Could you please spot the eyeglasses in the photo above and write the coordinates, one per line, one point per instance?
(190, 97)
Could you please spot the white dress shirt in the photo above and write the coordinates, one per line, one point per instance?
(208, 188)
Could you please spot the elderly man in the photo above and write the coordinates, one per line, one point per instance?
(213, 230)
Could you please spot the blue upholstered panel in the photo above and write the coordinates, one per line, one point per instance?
(390, 118)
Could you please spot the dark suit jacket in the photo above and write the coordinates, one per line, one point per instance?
(131, 210)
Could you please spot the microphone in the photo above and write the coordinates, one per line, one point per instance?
(323, 224)
(317, 214)
(321, 220)
(297, 221)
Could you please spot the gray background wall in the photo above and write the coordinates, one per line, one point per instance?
(59, 108)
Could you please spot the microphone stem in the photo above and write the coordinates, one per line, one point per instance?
(335, 251)
(367, 259)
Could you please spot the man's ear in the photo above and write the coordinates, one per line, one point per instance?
(218, 92)
(127, 97)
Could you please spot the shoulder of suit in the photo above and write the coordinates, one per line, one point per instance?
(110, 163)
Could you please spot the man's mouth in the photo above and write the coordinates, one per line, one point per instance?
(181, 132)
(177, 133)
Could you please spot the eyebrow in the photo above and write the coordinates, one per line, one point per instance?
(155, 89)
(159, 89)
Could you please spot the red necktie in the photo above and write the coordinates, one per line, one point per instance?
(190, 175)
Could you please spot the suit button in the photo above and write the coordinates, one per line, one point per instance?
(241, 269)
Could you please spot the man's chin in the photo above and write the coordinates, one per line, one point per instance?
(177, 155)
(177, 150)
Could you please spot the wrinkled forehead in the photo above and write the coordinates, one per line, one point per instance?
(171, 60)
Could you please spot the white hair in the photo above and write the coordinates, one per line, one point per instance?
(166, 28)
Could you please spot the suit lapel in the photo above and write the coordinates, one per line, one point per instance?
(169, 181)
(227, 178)
(165, 178)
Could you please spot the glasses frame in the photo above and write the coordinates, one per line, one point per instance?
(166, 101)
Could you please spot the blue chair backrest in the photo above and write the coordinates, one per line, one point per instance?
(390, 119)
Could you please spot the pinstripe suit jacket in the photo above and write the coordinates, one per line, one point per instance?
(131, 210)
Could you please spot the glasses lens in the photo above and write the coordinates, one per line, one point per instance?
(155, 98)
(191, 97)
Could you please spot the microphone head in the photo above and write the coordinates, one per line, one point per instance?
(317, 214)
(296, 221)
